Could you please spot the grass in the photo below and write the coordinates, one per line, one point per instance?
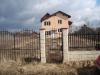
(73, 68)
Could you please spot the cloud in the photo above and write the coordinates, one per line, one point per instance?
(47, 4)
(27, 13)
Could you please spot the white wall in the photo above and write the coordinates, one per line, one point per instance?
(54, 23)
(83, 55)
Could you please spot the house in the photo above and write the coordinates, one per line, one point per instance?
(54, 23)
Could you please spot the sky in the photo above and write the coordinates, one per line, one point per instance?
(16, 14)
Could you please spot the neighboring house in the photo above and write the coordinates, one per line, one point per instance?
(54, 23)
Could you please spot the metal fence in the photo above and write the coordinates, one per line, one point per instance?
(84, 41)
(23, 45)
(54, 49)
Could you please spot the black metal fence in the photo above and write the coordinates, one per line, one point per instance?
(54, 49)
(84, 41)
(23, 45)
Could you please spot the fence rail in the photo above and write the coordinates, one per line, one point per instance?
(24, 45)
(83, 41)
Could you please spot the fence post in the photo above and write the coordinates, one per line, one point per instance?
(65, 45)
(42, 45)
(14, 40)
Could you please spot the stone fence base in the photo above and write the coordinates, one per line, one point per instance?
(83, 55)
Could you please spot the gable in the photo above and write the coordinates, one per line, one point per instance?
(59, 14)
(64, 14)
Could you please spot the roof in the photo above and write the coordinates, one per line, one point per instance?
(69, 22)
(47, 15)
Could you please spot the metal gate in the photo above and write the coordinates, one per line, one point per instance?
(54, 51)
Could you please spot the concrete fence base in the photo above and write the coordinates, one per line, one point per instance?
(67, 55)
(42, 45)
(83, 55)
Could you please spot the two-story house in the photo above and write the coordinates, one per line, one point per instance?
(54, 23)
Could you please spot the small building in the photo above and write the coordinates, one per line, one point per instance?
(54, 23)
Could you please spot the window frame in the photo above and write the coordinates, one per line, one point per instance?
(60, 30)
(48, 32)
(59, 21)
(47, 23)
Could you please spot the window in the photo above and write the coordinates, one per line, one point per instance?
(47, 23)
(48, 32)
(59, 21)
(59, 30)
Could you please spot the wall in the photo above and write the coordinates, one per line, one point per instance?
(83, 55)
(54, 22)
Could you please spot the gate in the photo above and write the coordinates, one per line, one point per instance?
(54, 47)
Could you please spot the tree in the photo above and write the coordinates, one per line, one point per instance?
(98, 30)
(85, 30)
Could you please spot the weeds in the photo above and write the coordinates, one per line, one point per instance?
(73, 68)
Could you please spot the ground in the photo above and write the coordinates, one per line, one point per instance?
(14, 68)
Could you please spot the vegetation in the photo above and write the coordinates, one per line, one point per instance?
(88, 30)
(73, 68)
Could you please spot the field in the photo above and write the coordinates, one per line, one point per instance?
(9, 41)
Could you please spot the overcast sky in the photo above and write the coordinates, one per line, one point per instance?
(27, 13)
